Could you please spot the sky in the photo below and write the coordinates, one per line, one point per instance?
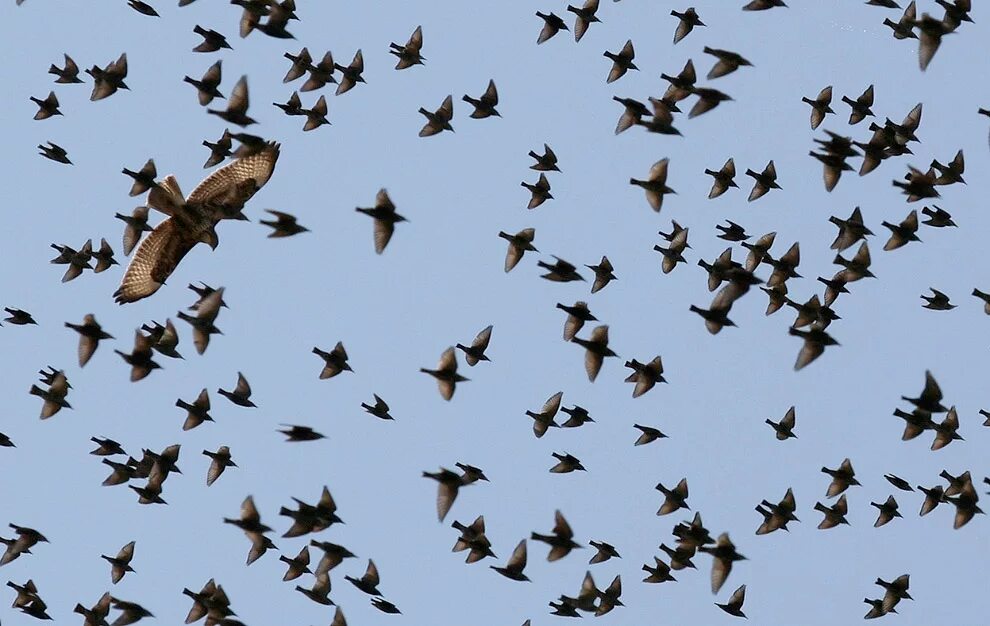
(441, 280)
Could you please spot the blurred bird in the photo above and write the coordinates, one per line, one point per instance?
(220, 460)
(519, 245)
(596, 349)
(120, 564)
(476, 352)
(385, 219)
(687, 21)
(409, 54)
(446, 374)
(241, 393)
(561, 542)
(335, 361)
(552, 24)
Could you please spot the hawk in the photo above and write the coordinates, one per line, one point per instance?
(192, 220)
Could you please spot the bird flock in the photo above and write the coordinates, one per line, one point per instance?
(854, 135)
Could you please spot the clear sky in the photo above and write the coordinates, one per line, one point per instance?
(440, 281)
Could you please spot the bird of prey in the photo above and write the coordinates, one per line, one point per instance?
(192, 220)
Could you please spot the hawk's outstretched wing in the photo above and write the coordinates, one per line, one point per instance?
(154, 261)
(228, 185)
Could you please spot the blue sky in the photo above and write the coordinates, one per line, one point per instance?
(441, 281)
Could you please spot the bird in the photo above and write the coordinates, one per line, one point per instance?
(930, 399)
(584, 16)
(544, 419)
(815, 341)
(552, 24)
(842, 478)
(861, 106)
(351, 74)
(385, 219)
(734, 605)
(540, 191)
(446, 374)
(206, 87)
(519, 244)
(514, 567)
(475, 353)
(765, 181)
(320, 74)
(237, 106)
(284, 224)
(903, 233)
(212, 40)
(47, 107)
(687, 20)
(300, 65)
(409, 54)
(577, 315)
(90, 335)
(655, 184)
(546, 162)
(674, 499)
(622, 61)
(334, 362)
(820, 106)
(938, 301)
(108, 80)
(241, 393)
(605, 552)
(596, 349)
(834, 515)
(560, 271)
(895, 591)
(140, 357)
(439, 120)
(723, 179)
(203, 324)
(54, 152)
(197, 412)
(930, 33)
(724, 554)
(294, 432)
(561, 541)
(485, 105)
(727, 63)
(68, 74)
(121, 563)
(887, 509)
(659, 573)
(937, 217)
(192, 220)
(785, 427)
(645, 375)
(648, 434)
(379, 410)
(219, 461)
(603, 274)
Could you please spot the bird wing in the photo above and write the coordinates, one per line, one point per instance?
(155, 260)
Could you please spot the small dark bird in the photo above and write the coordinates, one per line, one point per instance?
(898, 482)
(675, 498)
(241, 394)
(673, 254)
(284, 224)
(203, 326)
(300, 65)
(937, 302)
(605, 552)
(320, 591)
(680, 558)
(409, 54)
(708, 99)
(727, 63)
(333, 555)
(294, 432)
(297, 566)
(560, 271)
(656, 184)
(351, 74)
(938, 218)
(851, 230)
(385, 606)
(596, 349)
(108, 80)
(547, 162)
(820, 106)
(47, 107)
(5, 441)
(888, 511)
(632, 113)
(513, 569)
(583, 17)
(449, 483)
(197, 412)
(120, 564)
(552, 24)
(544, 420)
(446, 373)
(860, 106)
(785, 427)
(90, 335)
(985, 297)
(763, 5)
(237, 106)
(206, 87)
(723, 179)
(55, 152)
(930, 399)
(566, 463)
(682, 85)
(765, 181)
(561, 542)
(439, 120)
(519, 245)
(645, 376)
(842, 478)
(385, 219)
(540, 191)
(218, 152)
(660, 573)
(476, 352)
(723, 556)
(68, 74)
(320, 74)
(946, 430)
(577, 416)
(648, 434)
(734, 605)
(919, 184)
(473, 538)
(212, 40)
(903, 233)
(687, 21)
(220, 460)
(931, 31)
(834, 515)
(603, 274)
(368, 583)
(140, 357)
(335, 361)
(777, 516)
(485, 105)
(18, 317)
(732, 232)
(815, 341)
(143, 8)
(292, 106)
(379, 410)
(951, 173)
(106, 447)
(895, 591)
(577, 315)
(622, 62)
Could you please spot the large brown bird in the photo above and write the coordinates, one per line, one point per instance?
(192, 220)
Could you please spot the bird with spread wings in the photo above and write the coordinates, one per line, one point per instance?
(192, 220)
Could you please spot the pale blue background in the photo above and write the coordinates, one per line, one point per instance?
(441, 280)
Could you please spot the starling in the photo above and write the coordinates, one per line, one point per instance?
(727, 63)
(296, 566)
(55, 153)
(207, 310)
(765, 181)
(47, 107)
(887, 509)
(519, 245)
(632, 113)
(379, 410)
(385, 219)
(485, 105)
(439, 120)
(212, 40)
(583, 17)
(577, 416)
(320, 591)
(513, 569)
(675, 498)
(946, 430)
(820, 106)
(300, 65)
(938, 218)
(577, 315)
(622, 62)
(320, 74)
(648, 434)
(660, 573)
(560, 271)
(68, 74)
(655, 185)
(723, 556)
(476, 352)
(931, 31)
(723, 179)
(645, 375)
(120, 564)
(241, 394)
(561, 542)
(368, 583)
(951, 173)
(734, 605)
(552, 24)
(540, 191)
(237, 105)
(566, 463)
(603, 274)
(842, 478)
(930, 399)
(860, 106)
(681, 86)
(596, 349)
(544, 420)
(206, 87)
(351, 74)
(385, 606)
(108, 80)
(197, 412)
(446, 374)
(687, 21)
(834, 515)
(605, 552)
(785, 427)
(218, 152)
(220, 460)
(937, 302)
(708, 99)
(815, 341)
(294, 432)
(90, 335)
(409, 54)
(335, 361)
(140, 357)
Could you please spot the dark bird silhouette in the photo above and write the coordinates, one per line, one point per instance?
(197, 412)
(379, 410)
(561, 542)
(409, 54)
(368, 583)
(219, 461)
(385, 219)
(655, 184)
(294, 432)
(544, 419)
(622, 61)
(519, 245)
(861, 106)
(765, 181)
(577, 315)
(584, 17)
(446, 374)
(300, 65)
(596, 349)
(930, 399)
(645, 375)
(834, 515)
(560, 271)
(140, 357)
(485, 105)
(734, 606)
(686, 23)
(218, 152)
(675, 498)
(241, 394)
(820, 106)
(513, 569)
(206, 87)
(937, 302)
(47, 107)
(648, 434)
(785, 427)
(540, 191)
(212, 40)
(815, 341)
(887, 509)
(660, 573)
(320, 74)
(930, 33)
(937, 218)
(727, 63)
(603, 274)
(237, 106)
(842, 478)
(54, 152)
(121, 563)
(724, 179)
(335, 361)
(351, 74)
(108, 80)
(475, 353)
(439, 120)
(284, 224)
(90, 335)
(68, 74)
(723, 556)
(708, 99)
(552, 24)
